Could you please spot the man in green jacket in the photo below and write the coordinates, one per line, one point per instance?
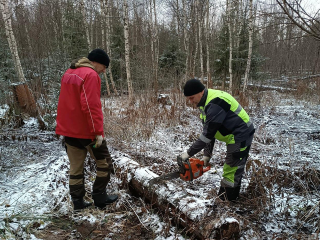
(225, 120)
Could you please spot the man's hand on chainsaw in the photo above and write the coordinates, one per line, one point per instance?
(206, 160)
(184, 156)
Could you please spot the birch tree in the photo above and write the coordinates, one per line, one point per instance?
(127, 48)
(195, 9)
(6, 15)
(247, 72)
(307, 22)
(186, 38)
(209, 84)
(200, 25)
(154, 43)
(31, 105)
(230, 28)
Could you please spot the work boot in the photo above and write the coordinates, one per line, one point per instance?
(101, 200)
(228, 193)
(79, 203)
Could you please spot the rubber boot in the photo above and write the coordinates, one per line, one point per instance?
(228, 193)
(79, 203)
(101, 200)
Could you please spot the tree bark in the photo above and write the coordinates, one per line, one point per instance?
(85, 23)
(127, 48)
(200, 26)
(209, 83)
(6, 15)
(196, 40)
(186, 39)
(171, 200)
(229, 10)
(247, 72)
(156, 45)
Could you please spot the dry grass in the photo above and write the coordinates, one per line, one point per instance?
(137, 120)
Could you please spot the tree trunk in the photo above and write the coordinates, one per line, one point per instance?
(171, 200)
(108, 43)
(152, 43)
(247, 72)
(200, 25)
(156, 45)
(178, 24)
(209, 83)
(6, 15)
(196, 41)
(186, 39)
(229, 9)
(107, 84)
(127, 48)
(85, 23)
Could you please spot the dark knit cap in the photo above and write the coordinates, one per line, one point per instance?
(99, 56)
(192, 87)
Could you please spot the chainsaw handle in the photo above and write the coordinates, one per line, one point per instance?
(207, 169)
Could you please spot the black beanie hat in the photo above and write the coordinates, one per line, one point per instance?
(192, 87)
(99, 56)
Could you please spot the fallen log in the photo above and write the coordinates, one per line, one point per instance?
(199, 218)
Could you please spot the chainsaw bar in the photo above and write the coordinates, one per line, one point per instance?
(168, 176)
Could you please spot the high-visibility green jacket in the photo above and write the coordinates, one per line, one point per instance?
(224, 119)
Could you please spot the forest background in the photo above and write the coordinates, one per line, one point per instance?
(157, 44)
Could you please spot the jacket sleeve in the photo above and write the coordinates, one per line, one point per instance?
(91, 103)
(215, 116)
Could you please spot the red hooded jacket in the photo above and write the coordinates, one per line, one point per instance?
(79, 113)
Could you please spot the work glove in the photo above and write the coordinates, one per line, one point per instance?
(184, 156)
(206, 160)
(99, 140)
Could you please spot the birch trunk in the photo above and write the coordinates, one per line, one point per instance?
(209, 84)
(178, 24)
(229, 9)
(156, 45)
(196, 43)
(185, 38)
(151, 42)
(85, 23)
(6, 15)
(30, 103)
(200, 25)
(127, 48)
(62, 42)
(239, 23)
(247, 72)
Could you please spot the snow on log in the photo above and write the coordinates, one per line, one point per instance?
(197, 216)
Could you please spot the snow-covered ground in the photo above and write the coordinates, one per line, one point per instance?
(34, 177)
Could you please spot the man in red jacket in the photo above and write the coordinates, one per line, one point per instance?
(80, 121)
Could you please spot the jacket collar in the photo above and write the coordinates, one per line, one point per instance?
(82, 62)
(203, 99)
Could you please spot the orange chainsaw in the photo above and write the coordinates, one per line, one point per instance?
(188, 171)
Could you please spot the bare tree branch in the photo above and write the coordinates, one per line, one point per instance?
(298, 16)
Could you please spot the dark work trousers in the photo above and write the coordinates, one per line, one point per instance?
(77, 150)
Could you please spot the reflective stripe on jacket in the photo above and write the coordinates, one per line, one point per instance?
(79, 113)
